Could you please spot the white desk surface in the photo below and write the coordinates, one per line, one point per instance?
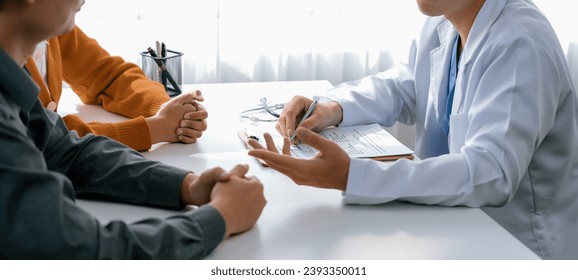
(301, 222)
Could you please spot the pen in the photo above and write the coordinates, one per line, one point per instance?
(163, 78)
(307, 114)
(164, 69)
(164, 55)
(163, 50)
(158, 46)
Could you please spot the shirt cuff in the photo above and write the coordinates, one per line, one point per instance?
(213, 225)
(164, 186)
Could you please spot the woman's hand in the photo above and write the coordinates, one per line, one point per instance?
(180, 119)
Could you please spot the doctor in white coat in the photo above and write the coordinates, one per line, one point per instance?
(488, 89)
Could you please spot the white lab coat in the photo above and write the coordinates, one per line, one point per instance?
(513, 129)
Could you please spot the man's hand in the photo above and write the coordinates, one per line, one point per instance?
(324, 115)
(239, 199)
(328, 169)
(240, 202)
(196, 188)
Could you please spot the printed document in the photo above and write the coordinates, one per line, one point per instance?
(363, 141)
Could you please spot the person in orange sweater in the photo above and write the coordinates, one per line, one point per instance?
(120, 87)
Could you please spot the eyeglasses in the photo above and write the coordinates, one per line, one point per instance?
(263, 112)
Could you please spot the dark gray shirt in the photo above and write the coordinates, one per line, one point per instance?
(44, 166)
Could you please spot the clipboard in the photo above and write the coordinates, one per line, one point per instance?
(408, 154)
(245, 139)
(392, 158)
(369, 141)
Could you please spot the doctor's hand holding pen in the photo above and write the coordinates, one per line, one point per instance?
(301, 116)
(182, 119)
(308, 113)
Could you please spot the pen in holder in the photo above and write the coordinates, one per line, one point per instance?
(167, 70)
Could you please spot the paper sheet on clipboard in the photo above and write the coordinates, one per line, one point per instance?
(361, 141)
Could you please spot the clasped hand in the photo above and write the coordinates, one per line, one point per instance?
(238, 198)
(182, 119)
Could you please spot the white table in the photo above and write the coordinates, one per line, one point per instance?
(302, 222)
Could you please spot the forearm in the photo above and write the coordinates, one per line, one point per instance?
(134, 133)
(100, 166)
(190, 235)
(444, 180)
(129, 178)
(53, 227)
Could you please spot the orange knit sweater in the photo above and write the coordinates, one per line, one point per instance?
(99, 78)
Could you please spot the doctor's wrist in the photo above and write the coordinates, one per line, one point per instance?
(335, 111)
(336, 116)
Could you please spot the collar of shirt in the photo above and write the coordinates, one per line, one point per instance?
(486, 17)
(16, 84)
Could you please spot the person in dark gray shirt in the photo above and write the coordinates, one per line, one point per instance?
(44, 166)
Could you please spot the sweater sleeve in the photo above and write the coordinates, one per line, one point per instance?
(134, 133)
(120, 87)
(99, 78)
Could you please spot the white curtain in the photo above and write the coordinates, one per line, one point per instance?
(269, 40)
(259, 40)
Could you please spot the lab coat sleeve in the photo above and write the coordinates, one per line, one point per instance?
(510, 110)
(384, 98)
